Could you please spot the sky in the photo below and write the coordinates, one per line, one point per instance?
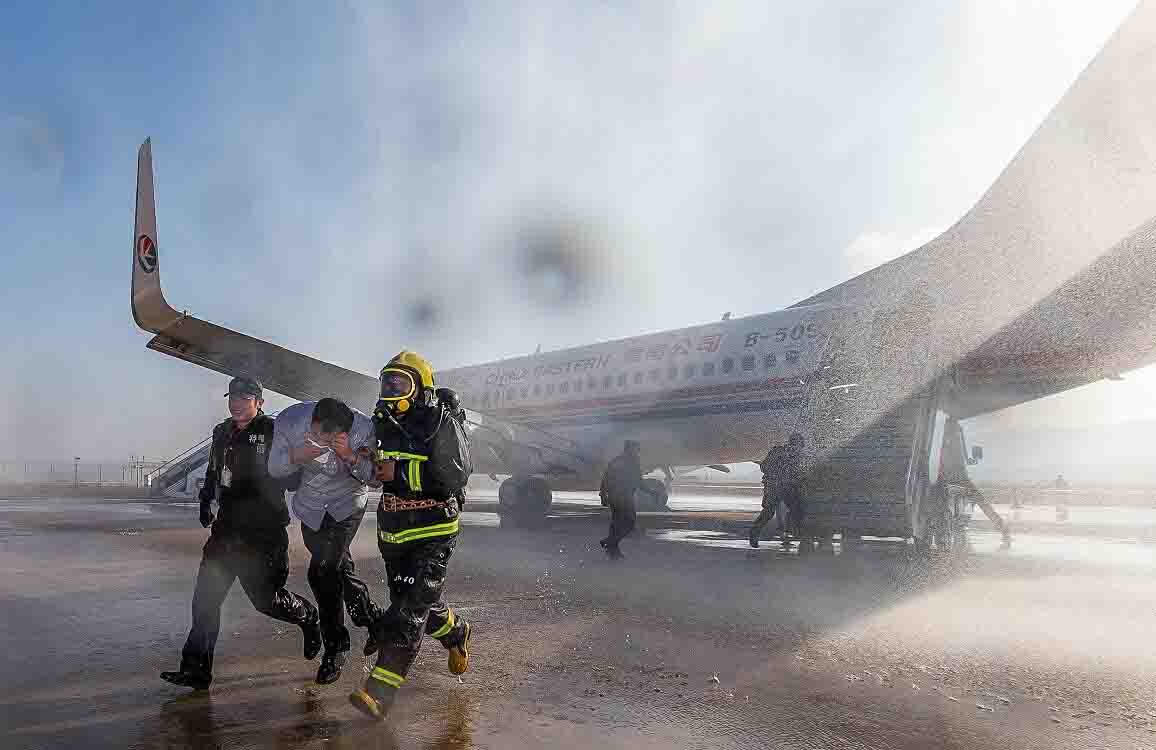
(474, 180)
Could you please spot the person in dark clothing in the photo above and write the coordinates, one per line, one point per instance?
(248, 540)
(622, 478)
(782, 483)
(423, 461)
(793, 495)
(773, 472)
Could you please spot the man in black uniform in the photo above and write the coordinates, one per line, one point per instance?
(773, 467)
(423, 462)
(793, 496)
(622, 478)
(248, 540)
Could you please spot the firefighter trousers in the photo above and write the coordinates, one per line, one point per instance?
(260, 559)
(416, 573)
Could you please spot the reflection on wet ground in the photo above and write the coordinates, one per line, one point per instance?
(694, 640)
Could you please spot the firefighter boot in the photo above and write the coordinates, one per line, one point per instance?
(377, 697)
(459, 656)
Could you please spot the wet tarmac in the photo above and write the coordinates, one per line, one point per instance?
(694, 640)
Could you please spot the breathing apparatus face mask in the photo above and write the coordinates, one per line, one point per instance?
(398, 390)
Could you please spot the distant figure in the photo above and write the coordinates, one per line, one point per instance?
(793, 495)
(1061, 483)
(772, 467)
(247, 541)
(622, 478)
(782, 482)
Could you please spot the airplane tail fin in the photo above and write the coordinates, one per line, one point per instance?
(1085, 180)
(149, 308)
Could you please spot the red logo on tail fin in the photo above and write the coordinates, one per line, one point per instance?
(146, 253)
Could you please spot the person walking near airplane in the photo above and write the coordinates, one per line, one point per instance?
(423, 461)
(794, 495)
(774, 467)
(329, 444)
(620, 481)
(248, 539)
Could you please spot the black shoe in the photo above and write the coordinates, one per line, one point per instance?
(330, 669)
(187, 679)
(754, 537)
(371, 646)
(614, 553)
(312, 633)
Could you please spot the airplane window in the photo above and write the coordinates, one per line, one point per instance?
(749, 362)
(537, 390)
(622, 380)
(564, 387)
(708, 369)
(510, 395)
(607, 382)
(672, 374)
(688, 371)
(770, 361)
(638, 378)
(728, 365)
(577, 386)
(591, 383)
(654, 375)
(549, 389)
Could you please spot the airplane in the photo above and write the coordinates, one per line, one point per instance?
(1046, 284)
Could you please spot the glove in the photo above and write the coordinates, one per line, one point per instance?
(207, 516)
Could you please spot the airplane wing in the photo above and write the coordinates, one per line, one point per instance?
(506, 447)
(202, 343)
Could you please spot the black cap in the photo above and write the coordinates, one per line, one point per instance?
(244, 387)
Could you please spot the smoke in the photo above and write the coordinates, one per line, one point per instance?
(475, 180)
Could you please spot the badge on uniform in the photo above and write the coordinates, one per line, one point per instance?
(226, 477)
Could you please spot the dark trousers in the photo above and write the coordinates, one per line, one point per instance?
(260, 559)
(792, 497)
(416, 572)
(334, 585)
(770, 506)
(623, 516)
(796, 508)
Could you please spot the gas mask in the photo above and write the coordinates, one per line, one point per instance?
(399, 391)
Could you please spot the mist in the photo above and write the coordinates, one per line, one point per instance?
(477, 181)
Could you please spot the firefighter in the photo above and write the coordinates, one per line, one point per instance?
(422, 460)
(248, 538)
(622, 478)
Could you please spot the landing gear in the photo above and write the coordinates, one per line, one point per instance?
(524, 501)
(652, 497)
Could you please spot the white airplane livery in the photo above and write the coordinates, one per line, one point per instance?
(1047, 283)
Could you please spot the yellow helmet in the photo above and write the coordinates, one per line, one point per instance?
(406, 379)
(417, 363)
